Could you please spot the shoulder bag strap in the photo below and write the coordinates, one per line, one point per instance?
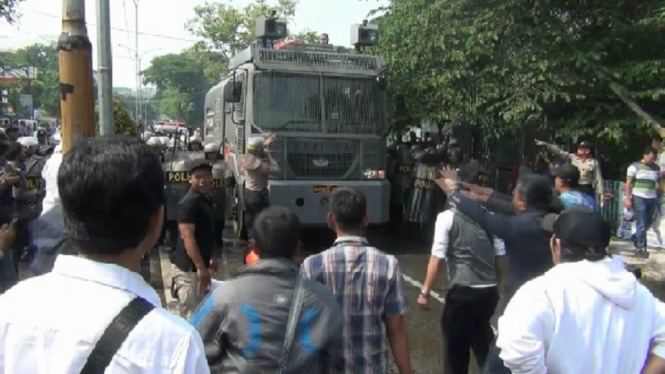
(294, 316)
(115, 334)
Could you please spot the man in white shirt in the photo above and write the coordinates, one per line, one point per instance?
(94, 313)
(475, 264)
(588, 314)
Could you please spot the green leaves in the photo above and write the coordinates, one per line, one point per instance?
(503, 65)
(45, 87)
(8, 10)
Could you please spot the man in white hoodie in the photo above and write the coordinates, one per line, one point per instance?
(588, 314)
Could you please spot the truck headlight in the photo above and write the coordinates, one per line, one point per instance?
(374, 174)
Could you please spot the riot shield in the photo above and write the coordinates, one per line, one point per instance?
(426, 199)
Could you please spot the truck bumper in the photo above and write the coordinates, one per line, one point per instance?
(312, 207)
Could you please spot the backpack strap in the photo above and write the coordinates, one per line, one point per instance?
(294, 316)
(115, 334)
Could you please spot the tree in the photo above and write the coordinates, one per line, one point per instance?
(182, 85)
(122, 121)
(8, 10)
(307, 35)
(227, 29)
(45, 87)
(503, 65)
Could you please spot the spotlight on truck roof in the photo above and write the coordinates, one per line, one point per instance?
(271, 27)
(364, 35)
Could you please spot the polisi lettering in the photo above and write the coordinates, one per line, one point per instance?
(34, 183)
(183, 177)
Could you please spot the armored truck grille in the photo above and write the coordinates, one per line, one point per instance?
(317, 60)
(320, 165)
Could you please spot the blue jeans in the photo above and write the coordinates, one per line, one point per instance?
(8, 273)
(645, 212)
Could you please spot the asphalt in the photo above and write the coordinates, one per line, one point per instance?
(413, 255)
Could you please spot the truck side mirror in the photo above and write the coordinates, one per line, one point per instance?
(233, 92)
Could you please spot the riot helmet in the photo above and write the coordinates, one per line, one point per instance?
(211, 151)
(255, 146)
(195, 144)
(155, 143)
(30, 144)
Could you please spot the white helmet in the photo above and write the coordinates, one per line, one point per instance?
(154, 142)
(255, 145)
(56, 138)
(211, 148)
(28, 142)
(147, 135)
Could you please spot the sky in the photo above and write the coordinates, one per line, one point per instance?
(161, 27)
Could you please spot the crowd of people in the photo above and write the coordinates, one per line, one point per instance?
(572, 307)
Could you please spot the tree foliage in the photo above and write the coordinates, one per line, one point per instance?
(181, 83)
(503, 65)
(122, 121)
(8, 10)
(45, 88)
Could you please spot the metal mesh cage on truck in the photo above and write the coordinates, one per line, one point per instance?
(288, 102)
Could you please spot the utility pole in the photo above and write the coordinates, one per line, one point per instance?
(105, 68)
(75, 60)
(138, 66)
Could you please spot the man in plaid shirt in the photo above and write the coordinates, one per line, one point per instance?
(367, 283)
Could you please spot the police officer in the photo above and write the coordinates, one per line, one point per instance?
(24, 200)
(156, 144)
(195, 144)
(258, 165)
(212, 154)
(193, 259)
(591, 180)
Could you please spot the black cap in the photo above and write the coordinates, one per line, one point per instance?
(199, 163)
(585, 145)
(580, 229)
(568, 172)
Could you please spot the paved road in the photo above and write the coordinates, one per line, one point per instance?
(413, 254)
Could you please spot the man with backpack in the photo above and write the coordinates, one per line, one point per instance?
(268, 319)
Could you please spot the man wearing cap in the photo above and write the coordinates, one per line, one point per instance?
(192, 260)
(591, 179)
(566, 179)
(588, 314)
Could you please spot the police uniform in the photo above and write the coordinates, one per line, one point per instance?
(212, 154)
(591, 180)
(258, 166)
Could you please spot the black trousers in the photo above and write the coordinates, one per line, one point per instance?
(465, 325)
(254, 203)
(587, 189)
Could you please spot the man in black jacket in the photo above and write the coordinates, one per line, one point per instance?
(527, 244)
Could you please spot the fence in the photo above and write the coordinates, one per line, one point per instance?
(613, 209)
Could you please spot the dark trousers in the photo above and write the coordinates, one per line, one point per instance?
(645, 212)
(465, 325)
(254, 203)
(587, 189)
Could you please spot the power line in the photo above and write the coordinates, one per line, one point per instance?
(118, 28)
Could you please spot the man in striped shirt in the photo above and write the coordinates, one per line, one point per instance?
(368, 286)
(640, 194)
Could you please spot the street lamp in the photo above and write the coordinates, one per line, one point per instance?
(138, 59)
